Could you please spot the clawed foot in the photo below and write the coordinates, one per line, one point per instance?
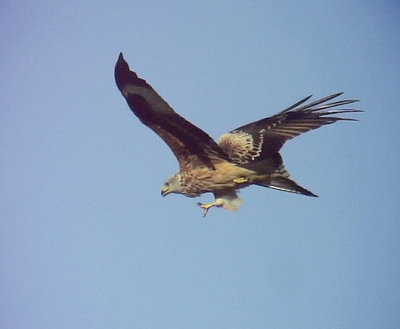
(207, 206)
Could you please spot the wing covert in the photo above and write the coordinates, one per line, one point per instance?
(263, 138)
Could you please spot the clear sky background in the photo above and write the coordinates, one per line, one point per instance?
(86, 239)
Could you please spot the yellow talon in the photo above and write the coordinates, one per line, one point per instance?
(241, 180)
(207, 206)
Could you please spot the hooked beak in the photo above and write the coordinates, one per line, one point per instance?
(165, 190)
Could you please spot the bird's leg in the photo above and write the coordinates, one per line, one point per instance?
(207, 206)
(241, 180)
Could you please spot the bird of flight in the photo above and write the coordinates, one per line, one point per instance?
(248, 155)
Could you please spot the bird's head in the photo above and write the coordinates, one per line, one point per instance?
(172, 185)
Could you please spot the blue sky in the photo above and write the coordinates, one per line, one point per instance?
(86, 239)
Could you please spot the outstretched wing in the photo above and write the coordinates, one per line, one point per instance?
(190, 144)
(260, 139)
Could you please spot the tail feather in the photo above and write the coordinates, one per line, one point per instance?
(277, 176)
(285, 184)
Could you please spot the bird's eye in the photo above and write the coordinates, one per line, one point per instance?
(166, 184)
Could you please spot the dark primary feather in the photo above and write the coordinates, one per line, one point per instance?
(188, 142)
(273, 132)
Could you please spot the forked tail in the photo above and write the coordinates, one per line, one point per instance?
(278, 176)
(283, 183)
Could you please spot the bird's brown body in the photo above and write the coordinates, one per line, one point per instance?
(225, 176)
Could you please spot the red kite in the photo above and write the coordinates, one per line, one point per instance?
(245, 156)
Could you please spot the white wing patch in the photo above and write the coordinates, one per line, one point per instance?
(240, 146)
(151, 97)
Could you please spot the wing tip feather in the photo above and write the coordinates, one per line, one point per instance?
(123, 74)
